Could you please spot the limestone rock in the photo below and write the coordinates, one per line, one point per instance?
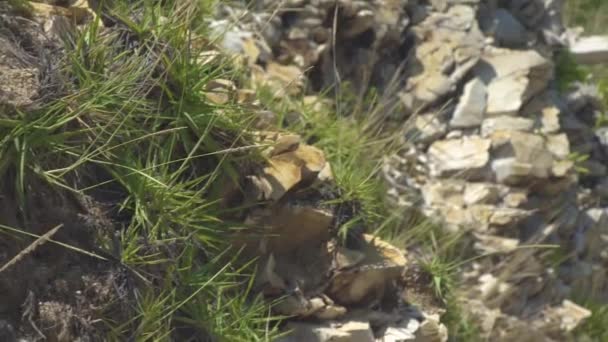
(352, 331)
(512, 77)
(591, 50)
(428, 128)
(459, 157)
(292, 227)
(502, 123)
(445, 192)
(519, 156)
(382, 264)
(481, 193)
(472, 105)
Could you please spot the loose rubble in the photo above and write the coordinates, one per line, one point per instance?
(489, 149)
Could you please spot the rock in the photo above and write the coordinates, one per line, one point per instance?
(519, 156)
(281, 79)
(462, 158)
(507, 216)
(335, 332)
(508, 31)
(550, 120)
(512, 78)
(558, 145)
(443, 193)
(481, 193)
(502, 123)
(472, 105)
(450, 44)
(431, 330)
(428, 128)
(292, 227)
(405, 331)
(495, 244)
(590, 50)
(568, 316)
(286, 170)
(382, 264)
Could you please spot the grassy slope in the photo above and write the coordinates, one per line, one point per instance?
(138, 117)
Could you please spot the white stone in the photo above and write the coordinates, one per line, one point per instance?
(472, 105)
(591, 50)
(500, 123)
(481, 193)
(459, 157)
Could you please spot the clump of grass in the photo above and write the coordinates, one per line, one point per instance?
(568, 71)
(136, 121)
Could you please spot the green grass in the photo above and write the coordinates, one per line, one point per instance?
(135, 121)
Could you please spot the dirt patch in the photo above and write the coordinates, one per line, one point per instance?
(54, 292)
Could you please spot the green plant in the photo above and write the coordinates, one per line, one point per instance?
(135, 121)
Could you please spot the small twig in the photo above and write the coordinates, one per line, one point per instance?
(29, 249)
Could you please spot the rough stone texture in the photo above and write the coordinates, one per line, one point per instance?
(512, 77)
(472, 105)
(488, 149)
(459, 157)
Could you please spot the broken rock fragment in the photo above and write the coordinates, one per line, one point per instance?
(462, 158)
(381, 264)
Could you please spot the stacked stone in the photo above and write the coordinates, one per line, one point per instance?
(492, 147)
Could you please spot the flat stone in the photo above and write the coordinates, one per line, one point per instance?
(495, 244)
(590, 50)
(459, 157)
(512, 78)
(481, 193)
(472, 105)
(550, 120)
(519, 155)
(353, 331)
(506, 95)
(429, 128)
(443, 193)
(382, 264)
(558, 145)
(507, 216)
(503, 122)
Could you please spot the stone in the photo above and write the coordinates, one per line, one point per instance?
(558, 145)
(281, 79)
(472, 105)
(507, 216)
(515, 198)
(550, 120)
(495, 244)
(404, 331)
(508, 31)
(568, 316)
(383, 263)
(287, 169)
(481, 193)
(443, 193)
(519, 155)
(459, 157)
(512, 78)
(431, 330)
(503, 122)
(590, 50)
(428, 128)
(295, 226)
(352, 331)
